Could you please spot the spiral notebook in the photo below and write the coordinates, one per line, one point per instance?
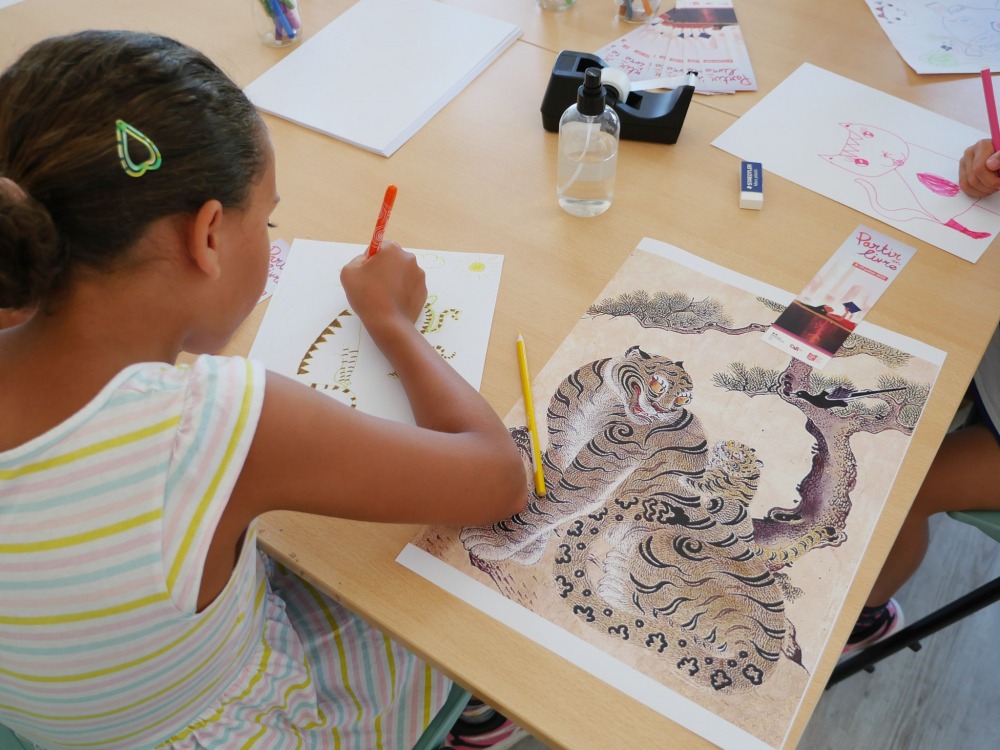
(381, 70)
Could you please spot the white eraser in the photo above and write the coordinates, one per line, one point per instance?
(751, 185)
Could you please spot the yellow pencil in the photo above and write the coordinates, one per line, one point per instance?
(529, 410)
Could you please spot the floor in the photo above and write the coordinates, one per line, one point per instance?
(945, 697)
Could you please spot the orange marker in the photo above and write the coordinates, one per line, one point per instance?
(383, 219)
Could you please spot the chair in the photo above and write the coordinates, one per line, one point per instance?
(987, 521)
(9, 741)
(437, 730)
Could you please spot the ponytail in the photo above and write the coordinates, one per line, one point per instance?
(29, 248)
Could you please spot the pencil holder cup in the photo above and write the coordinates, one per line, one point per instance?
(555, 4)
(278, 22)
(637, 11)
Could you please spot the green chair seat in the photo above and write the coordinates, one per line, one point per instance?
(987, 521)
(10, 741)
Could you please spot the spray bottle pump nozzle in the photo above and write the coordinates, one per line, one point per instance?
(590, 96)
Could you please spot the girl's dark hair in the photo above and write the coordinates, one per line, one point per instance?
(59, 105)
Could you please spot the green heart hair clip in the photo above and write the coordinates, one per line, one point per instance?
(123, 131)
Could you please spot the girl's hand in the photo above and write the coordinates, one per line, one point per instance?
(977, 171)
(387, 290)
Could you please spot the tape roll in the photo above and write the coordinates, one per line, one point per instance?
(616, 79)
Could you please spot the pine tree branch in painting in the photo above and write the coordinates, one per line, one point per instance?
(751, 380)
(672, 311)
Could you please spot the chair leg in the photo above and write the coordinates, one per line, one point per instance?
(443, 721)
(910, 636)
(10, 741)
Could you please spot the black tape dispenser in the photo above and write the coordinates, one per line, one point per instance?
(645, 115)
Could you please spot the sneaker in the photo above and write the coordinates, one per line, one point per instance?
(890, 625)
(496, 732)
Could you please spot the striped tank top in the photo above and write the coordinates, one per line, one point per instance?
(105, 524)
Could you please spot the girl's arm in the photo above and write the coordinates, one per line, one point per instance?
(458, 465)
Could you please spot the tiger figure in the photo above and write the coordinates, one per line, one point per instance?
(330, 361)
(323, 360)
(614, 424)
(682, 576)
(634, 493)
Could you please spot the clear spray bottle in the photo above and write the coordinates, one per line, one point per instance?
(588, 150)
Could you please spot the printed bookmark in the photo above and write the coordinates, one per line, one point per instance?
(820, 319)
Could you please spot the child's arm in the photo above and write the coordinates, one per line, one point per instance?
(977, 170)
(10, 317)
(311, 453)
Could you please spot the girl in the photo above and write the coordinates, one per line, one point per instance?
(965, 473)
(136, 181)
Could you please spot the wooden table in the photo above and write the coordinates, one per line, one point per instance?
(480, 177)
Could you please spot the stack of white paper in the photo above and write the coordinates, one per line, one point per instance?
(380, 71)
(700, 36)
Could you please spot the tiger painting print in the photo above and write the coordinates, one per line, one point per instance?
(654, 544)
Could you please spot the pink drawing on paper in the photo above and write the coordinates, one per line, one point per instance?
(905, 181)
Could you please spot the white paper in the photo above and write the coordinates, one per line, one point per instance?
(377, 73)
(309, 332)
(942, 37)
(880, 155)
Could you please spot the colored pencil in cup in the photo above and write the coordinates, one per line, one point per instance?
(291, 11)
(529, 410)
(280, 20)
(383, 219)
(277, 13)
(991, 107)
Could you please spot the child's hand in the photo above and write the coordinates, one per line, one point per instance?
(385, 290)
(977, 171)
